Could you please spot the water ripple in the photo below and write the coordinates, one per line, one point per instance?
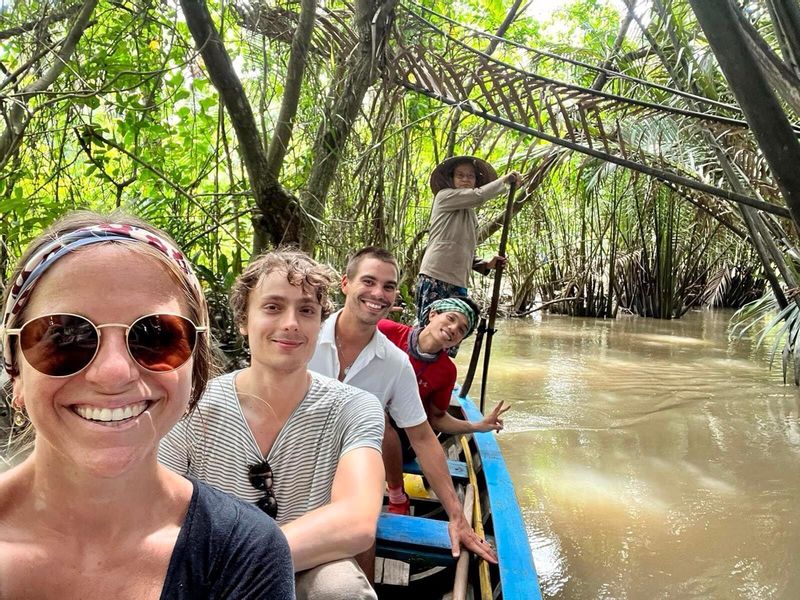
(652, 459)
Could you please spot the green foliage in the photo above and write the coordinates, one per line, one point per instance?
(778, 328)
(135, 122)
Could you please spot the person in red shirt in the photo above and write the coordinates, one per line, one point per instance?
(443, 325)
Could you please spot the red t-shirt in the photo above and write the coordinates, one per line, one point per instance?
(435, 379)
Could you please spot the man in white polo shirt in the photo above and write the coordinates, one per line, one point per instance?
(351, 349)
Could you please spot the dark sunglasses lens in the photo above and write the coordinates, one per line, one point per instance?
(162, 342)
(269, 505)
(260, 476)
(58, 345)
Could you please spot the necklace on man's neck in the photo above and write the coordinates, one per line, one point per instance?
(340, 351)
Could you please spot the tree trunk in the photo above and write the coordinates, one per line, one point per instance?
(357, 74)
(298, 56)
(601, 79)
(18, 117)
(276, 218)
(780, 75)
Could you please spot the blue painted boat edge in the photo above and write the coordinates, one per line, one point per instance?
(518, 575)
(425, 533)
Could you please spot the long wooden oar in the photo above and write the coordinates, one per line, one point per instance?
(484, 577)
(462, 566)
(473, 360)
(498, 280)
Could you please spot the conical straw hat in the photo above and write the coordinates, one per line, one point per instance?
(442, 176)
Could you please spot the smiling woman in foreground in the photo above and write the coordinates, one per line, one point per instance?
(105, 337)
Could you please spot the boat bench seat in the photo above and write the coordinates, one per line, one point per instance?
(457, 468)
(402, 537)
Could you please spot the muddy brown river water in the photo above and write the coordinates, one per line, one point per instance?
(652, 459)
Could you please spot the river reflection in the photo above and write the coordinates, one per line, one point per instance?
(652, 459)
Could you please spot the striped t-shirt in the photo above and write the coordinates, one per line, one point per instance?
(215, 443)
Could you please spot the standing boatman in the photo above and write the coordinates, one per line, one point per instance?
(460, 184)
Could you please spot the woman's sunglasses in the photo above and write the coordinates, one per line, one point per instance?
(61, 345)
(260, 476)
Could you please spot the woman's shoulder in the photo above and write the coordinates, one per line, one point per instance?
(226, 515)
(13, 485)
(231, 547)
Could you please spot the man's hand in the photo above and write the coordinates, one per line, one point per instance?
(496, 262)
(434, 466)
(493, 421)
(461, 534)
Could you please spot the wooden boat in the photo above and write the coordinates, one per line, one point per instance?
(413, 552)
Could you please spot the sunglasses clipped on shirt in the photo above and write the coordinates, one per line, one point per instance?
(61, 345)
(260, 476)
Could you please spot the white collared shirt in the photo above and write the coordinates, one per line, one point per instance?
(381, 369)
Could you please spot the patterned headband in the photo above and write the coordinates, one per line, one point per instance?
(451, 305)
(54, 250)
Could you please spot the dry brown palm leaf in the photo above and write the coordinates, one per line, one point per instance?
(623, 130)
(562, 119)
(333, 34)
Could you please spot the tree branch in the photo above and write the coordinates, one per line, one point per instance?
(372, 18)
(17, 119)
(274, 204)
(39, 23)
(301, 41)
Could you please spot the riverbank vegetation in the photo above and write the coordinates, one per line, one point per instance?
(651, 183)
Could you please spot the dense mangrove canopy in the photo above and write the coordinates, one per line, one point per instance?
(657, 138)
